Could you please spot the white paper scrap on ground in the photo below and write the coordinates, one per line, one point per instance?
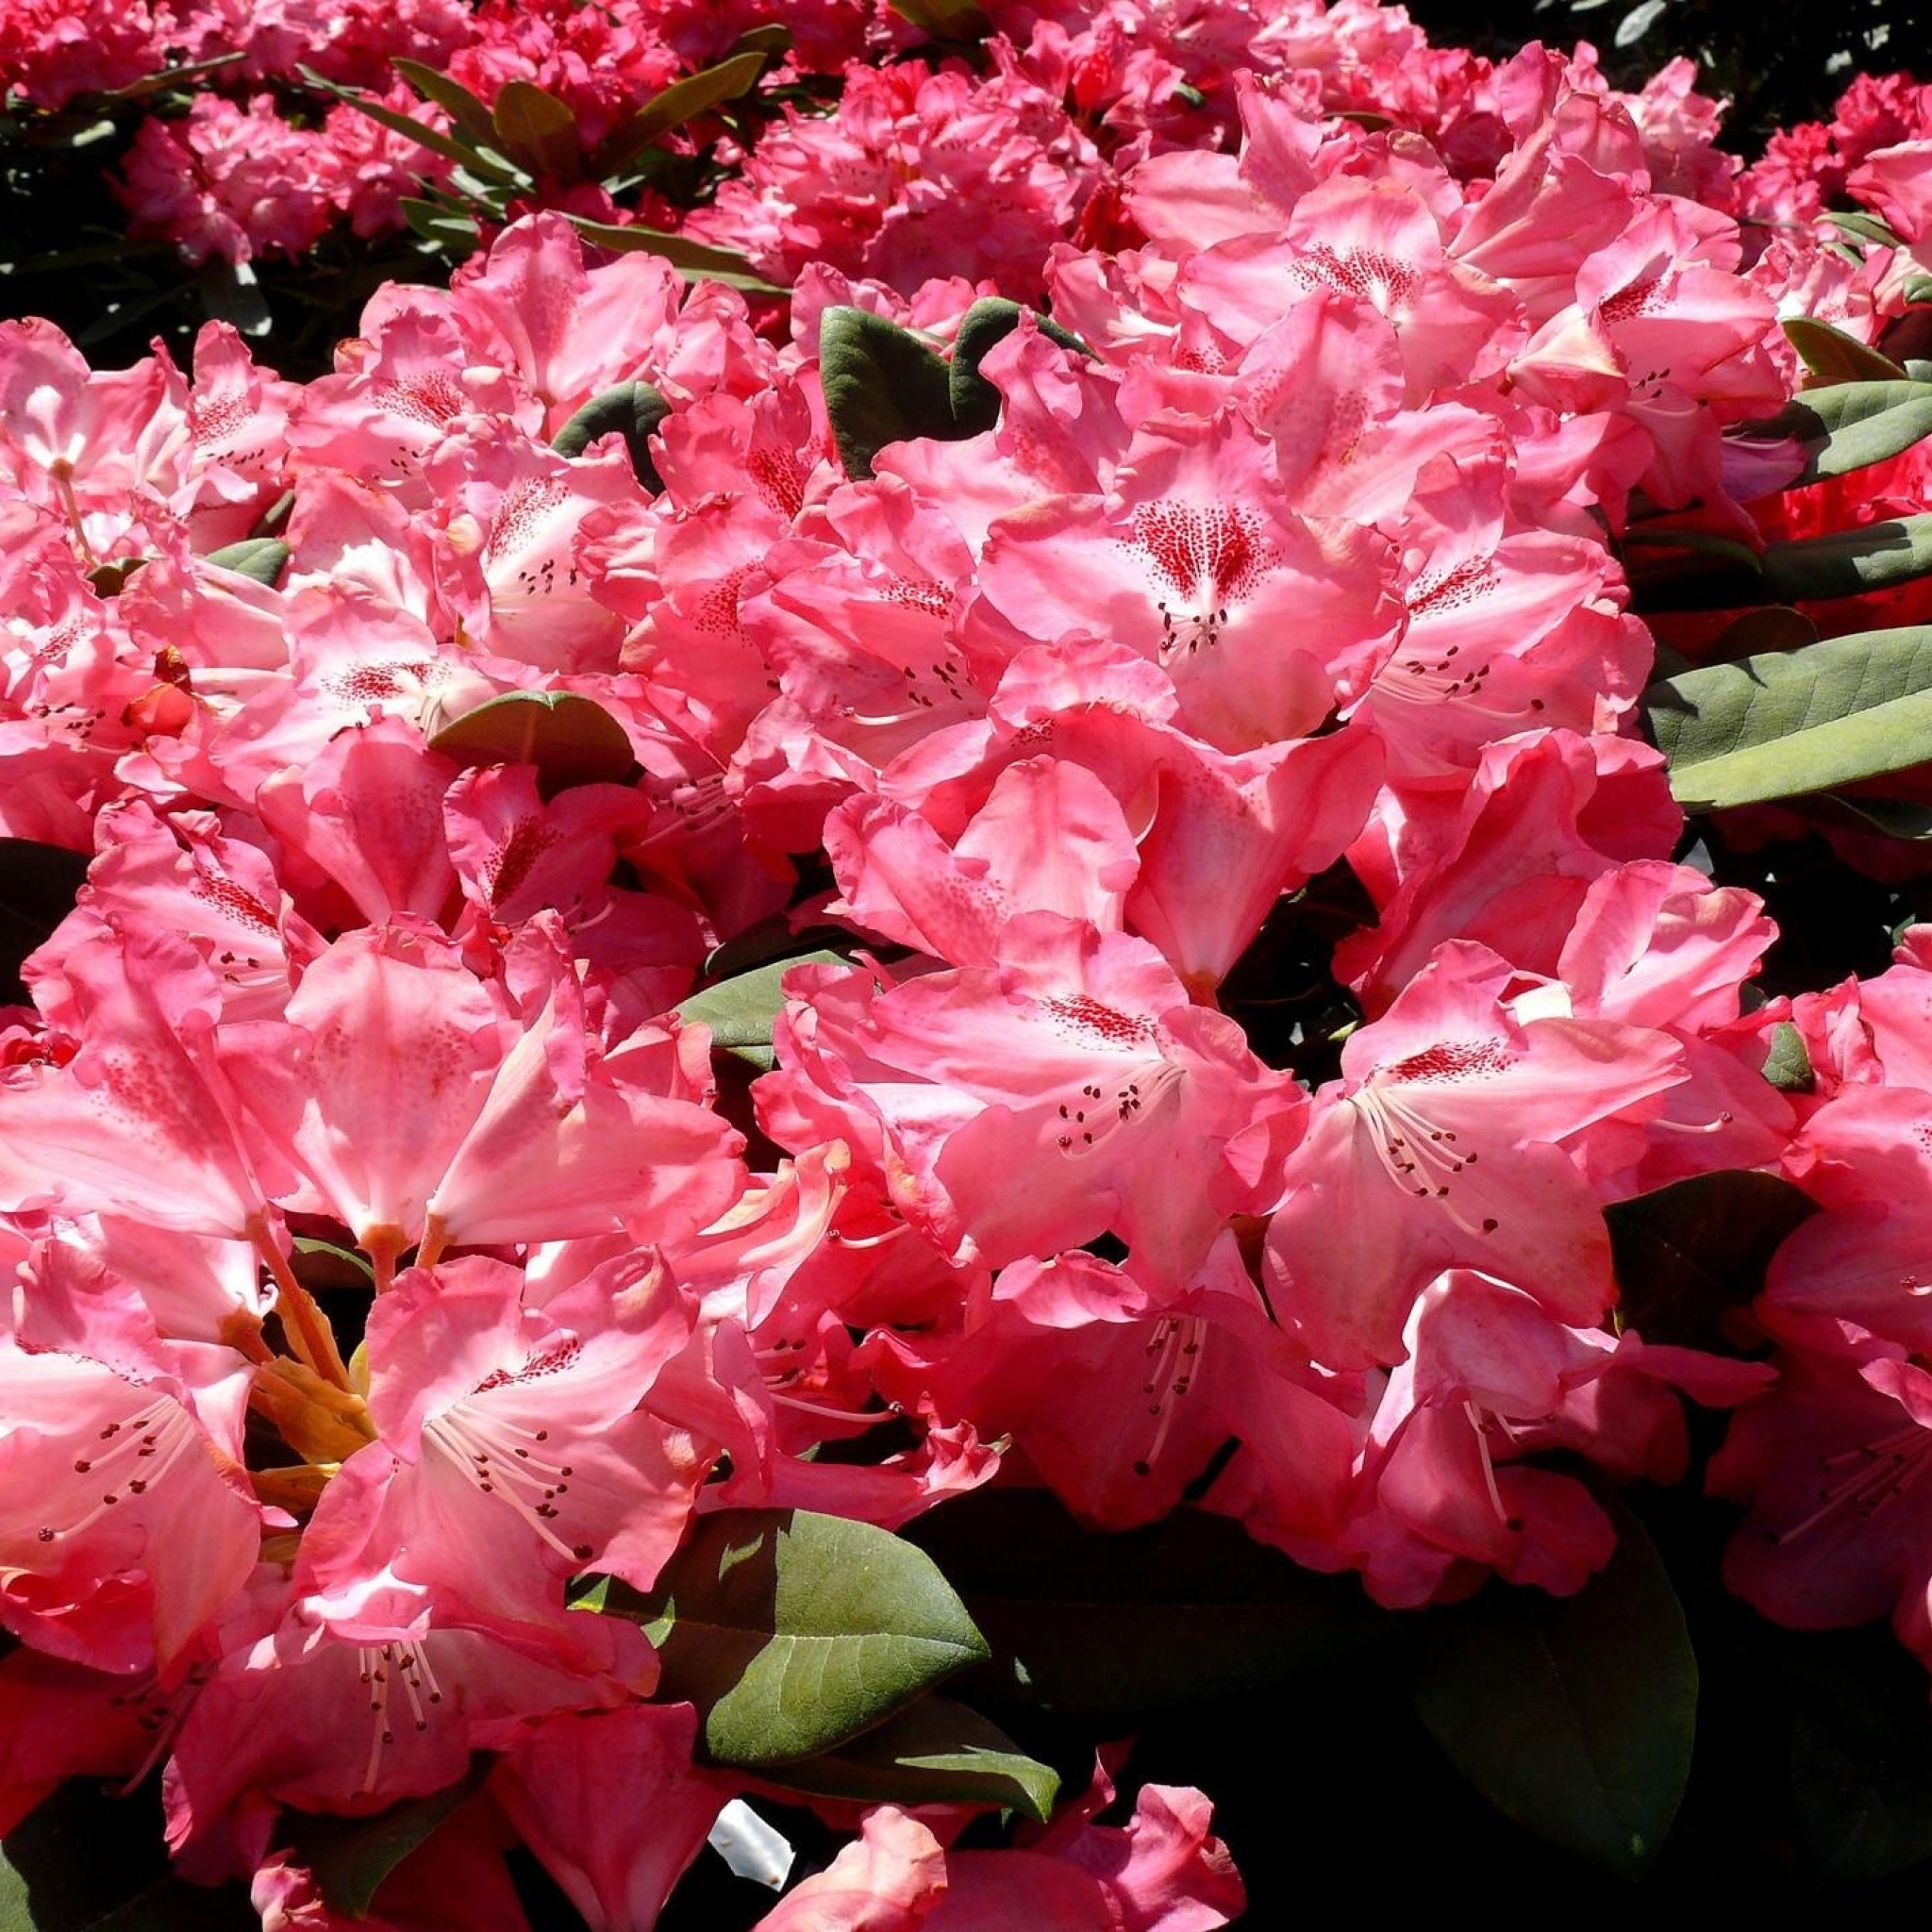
(751, 1847)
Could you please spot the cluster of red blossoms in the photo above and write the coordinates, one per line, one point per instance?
(1283, 553)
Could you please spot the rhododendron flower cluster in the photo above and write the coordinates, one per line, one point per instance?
(412, 1244)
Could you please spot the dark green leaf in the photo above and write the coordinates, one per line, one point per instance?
(1847, 562)
(571, 740)
(150, 83)
(1849, 425)
(1831, 356)
(447, 227)
(632, 410)
(934, 1752)
(537, 130)
(38, 885)
(695, 260)
(771, 40)
(1786, 722)
(350, 1856)
(85, 1861)
(452, 96)
(882, 384)
(792, 1632)
(1788, 1066)
(1897, 817)
(263, 558)
(739, 1011)
(230, 294)
(319, 1264)
(976, 403)
(944, 20)
(397, 123)
(1574, 1716)
(1686, 1252)
(1861, 1753)
(684, 100)
(1184, 1611)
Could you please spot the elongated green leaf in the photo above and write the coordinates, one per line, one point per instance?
(537, 131)
(684, 100)
(446, 228)
(470, 114)
(150, 83)
(1849, 425)
(1865, 228)
(1831, 356)
(1787, 722)
(350, 1856)
(792, 1632)
(1686, 1254)
(1185, 1612)
(571, 740)
(976, 403)
(263, 558)
(1847, 562)
(934, 1752)
(946, 20)
(696, 260)
(739, 1011)
(1897, 817)
(437, 143)
(882, 384)
(1574, 1716)
(632, 410)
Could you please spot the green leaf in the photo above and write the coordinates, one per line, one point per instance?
(85, 1861)
(447, 227)
(537, 131)
(1787, 722)
(1574, 1716)
(1860, 1752)
(630, 410)
(946, 20)
(684, 100)
(169, 78)
(976, 403)
(1864, 228)
(1831, 356)
(792, 1632)
(1897, 817)
(437, 143)
(695, 260)
(882, 384)
(1686, 1254)
(452, 96)
(1182, 1612)
(934, 1752)
(319, 1264)
(38, 887)
(350, 1856)
(263, 558)
(1788, 1065)
(1849, 425)
(739, 1011)
(1847, 562)
(571, 740)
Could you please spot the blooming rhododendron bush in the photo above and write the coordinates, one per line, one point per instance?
(829, 1079)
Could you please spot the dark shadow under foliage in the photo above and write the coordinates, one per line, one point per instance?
(1777, 64)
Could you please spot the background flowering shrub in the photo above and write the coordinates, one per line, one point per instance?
(1147, 924)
